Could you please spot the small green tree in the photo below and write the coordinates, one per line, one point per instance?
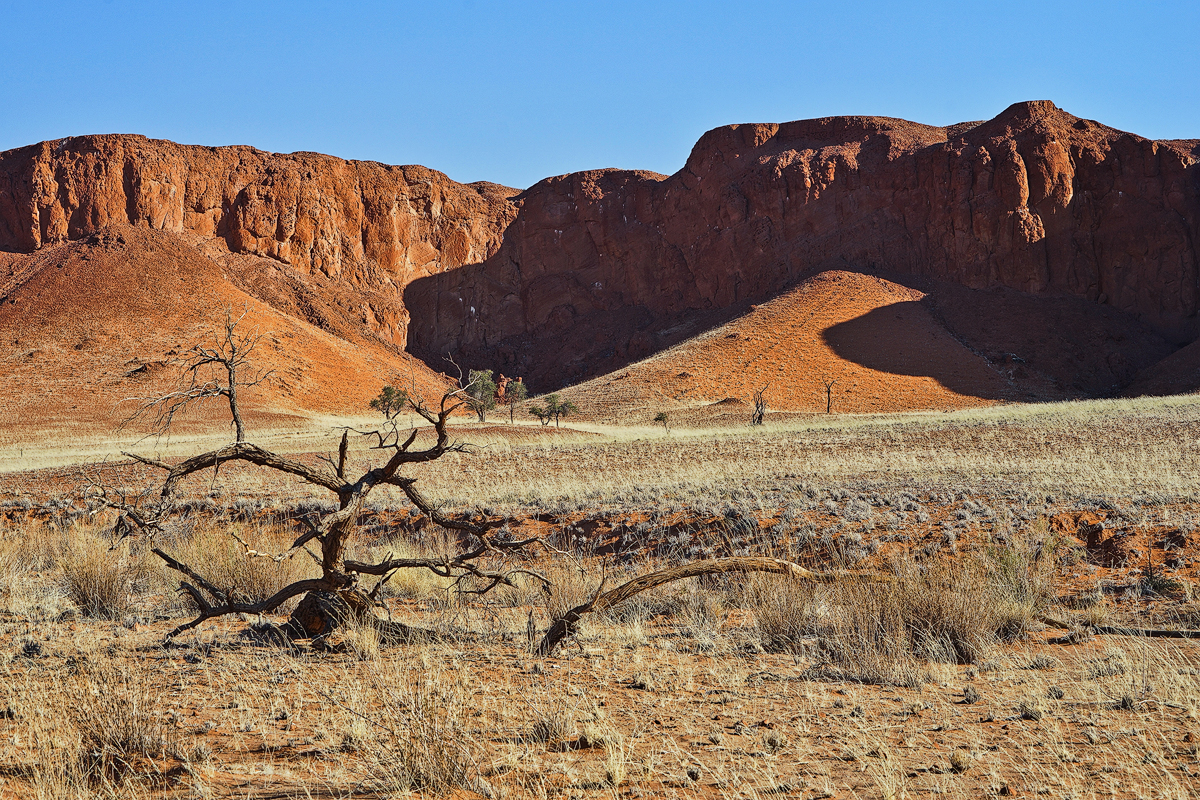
(556, 408)
(664, 418)
(543, 416)
(516, 392)
(390, 402)
(481, 392)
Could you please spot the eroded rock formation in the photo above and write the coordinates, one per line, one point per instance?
(367, 225)
(584, 273)
(600, 268)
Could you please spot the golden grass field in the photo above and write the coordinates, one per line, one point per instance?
(942, 681)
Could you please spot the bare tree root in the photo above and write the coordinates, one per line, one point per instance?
(320, 613)
(566, 625)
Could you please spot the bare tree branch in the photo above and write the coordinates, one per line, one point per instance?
(566, 625)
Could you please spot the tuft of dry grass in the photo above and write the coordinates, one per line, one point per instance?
(119, 718)
(883, 632)
(211, 548)
(98, 577)
(101, 733)
(410, 729)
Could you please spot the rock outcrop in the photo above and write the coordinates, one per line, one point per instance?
(600, 268)
(366, 225)
(584, 273)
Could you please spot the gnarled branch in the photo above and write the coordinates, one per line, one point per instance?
(567, 624)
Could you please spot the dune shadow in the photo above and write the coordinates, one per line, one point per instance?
(904, 339)
(1001, 344)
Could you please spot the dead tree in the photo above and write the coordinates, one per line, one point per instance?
(760, 406)
(336, 596)
(829, 384)
(210, 372)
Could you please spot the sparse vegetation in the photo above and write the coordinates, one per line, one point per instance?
(708, 683)
(553, 408)
(515, 393)
(480, 392)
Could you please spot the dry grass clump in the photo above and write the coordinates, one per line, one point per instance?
(120, 721)
(102, 735)
(785, 611)
(223, 560)
(882, 631)
(412, 584)
(570, 587)
(99, 577)
(409, 728)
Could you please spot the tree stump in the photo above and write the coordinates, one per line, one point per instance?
(320, 614)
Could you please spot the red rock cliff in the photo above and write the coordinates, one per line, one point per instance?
(602, 267)
(370, 226)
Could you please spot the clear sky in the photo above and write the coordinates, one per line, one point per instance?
(514, 92)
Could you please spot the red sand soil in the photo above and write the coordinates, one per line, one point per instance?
(89, 324)
(824, 329)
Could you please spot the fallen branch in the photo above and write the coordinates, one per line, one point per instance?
(1120, 630)
(567, 624)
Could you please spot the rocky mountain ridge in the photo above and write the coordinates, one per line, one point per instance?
(584, 273)
(370, 227)
(601, 268)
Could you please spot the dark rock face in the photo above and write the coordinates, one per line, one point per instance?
(601, 268)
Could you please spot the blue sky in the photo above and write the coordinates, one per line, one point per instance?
(513, 92)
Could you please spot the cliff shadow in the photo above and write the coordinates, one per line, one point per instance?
(1002, 344)
(553, 331)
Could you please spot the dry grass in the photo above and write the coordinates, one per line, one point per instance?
(211, 547)
(100, 577)
(407, 723)
(654, 716)
(886, 632)
(862, 690)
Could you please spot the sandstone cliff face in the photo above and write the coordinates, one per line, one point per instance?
(362, 224)
(600, 268)
(584, 273)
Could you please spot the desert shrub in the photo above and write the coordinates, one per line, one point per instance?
(223, 561)
(98, 577)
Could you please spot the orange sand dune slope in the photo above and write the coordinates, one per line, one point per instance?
(874, 337)
(89, 324)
